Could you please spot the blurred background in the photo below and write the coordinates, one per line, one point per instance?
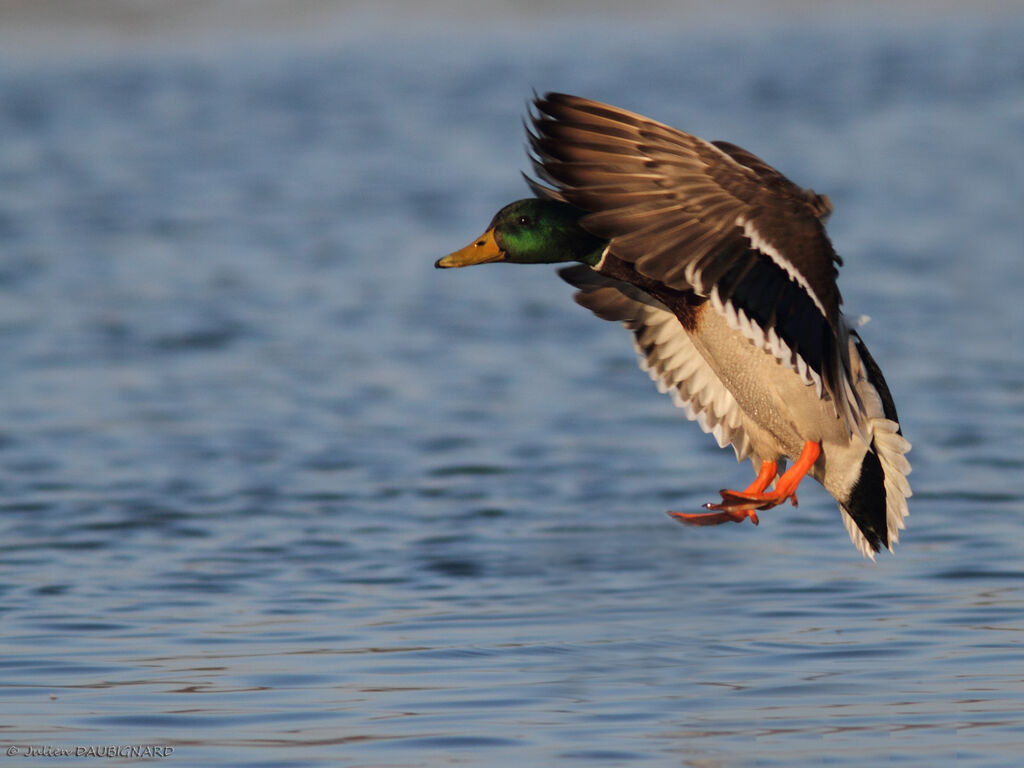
(277, 492)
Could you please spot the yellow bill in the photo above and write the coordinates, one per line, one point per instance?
(482, 251)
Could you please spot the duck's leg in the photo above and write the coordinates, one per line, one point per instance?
(784, 489)
(735, 515)
(737, 506)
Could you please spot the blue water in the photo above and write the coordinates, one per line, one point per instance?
(275, 492)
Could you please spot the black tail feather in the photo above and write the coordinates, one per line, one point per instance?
(866, 503)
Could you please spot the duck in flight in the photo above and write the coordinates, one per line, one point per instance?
(722, 270)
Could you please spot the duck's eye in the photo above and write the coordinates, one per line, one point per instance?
(523, 221)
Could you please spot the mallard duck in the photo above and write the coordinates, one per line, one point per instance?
(722, 269)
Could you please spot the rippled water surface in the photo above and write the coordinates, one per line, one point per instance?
(276, 492)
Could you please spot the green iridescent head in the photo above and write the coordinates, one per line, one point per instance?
(531, 231)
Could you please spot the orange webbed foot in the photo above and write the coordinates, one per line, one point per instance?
(736, 500)
(715, 518)
(737, 506)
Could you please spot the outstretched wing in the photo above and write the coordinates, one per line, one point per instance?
(709, 218)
